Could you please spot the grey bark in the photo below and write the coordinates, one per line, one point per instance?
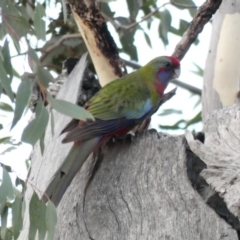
(220, 152)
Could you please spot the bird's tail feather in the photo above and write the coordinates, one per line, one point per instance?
(69, 168)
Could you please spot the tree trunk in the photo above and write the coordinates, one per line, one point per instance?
(222, 72)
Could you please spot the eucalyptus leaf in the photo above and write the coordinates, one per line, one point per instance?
(4, 216)
(34, 214)
(148, 40)
(43, 77)
(36, 128)
(5, 81)
(42, 227)
(6, 190)
(51, 220)
(4, 139)
(133, 7)
(17, 220)
(69, 109)
(7, 184)
(33, 59)
(199, 70)
(6, 107)
(7, 59)
(22, 98)
(39, 23)
(64, 7)
(196, 119)
(165, 26)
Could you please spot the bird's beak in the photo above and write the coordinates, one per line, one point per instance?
(177, 72)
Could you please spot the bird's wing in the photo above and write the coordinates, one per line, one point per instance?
(121, 99)
(116, 109)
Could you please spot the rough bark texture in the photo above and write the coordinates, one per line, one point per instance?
(210, 98)
(140, 191)
(220, 152)
(98, 40)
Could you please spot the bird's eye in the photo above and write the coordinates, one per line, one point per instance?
(167, 65)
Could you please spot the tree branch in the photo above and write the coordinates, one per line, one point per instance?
(58, 43)
(127, 27)
(203, 16)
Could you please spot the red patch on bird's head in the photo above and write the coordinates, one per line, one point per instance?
(175, 61)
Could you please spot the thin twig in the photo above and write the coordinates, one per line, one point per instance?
(127, 27)
(58, 43)
(203, 16)
(178, 83)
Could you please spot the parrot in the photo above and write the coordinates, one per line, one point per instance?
(117, 108)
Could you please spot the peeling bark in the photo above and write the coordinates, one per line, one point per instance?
(98, 40)
(220, 152)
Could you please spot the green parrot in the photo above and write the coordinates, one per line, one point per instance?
(117, 108)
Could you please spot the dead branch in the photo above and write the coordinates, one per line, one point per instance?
(202, 17)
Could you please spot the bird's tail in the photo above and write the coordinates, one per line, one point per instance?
(69, 168)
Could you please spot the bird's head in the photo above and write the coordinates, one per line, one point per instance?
(166, 69)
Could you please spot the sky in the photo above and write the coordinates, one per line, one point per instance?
(183, 101)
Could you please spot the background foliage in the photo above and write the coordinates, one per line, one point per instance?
(40, 34)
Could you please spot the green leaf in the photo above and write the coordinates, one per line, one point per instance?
(4, 216)
(15, 25)
(6, 107)
(127, 38)
(51, 220)
(6, 81)
(9, 149)
(2, 140)
(33, 59)
(192, 7)
(7, 59)
(42, 227)
(148, 40)
(196, 119)
(22, 98)
(17, 220)
(36, 128)
(175, 126)
(169, 111)
(104, 7)
(7, 184)
(34, 214)
(43, 77)
(64, 7)
(133, 7)
(182, 28)
(165, 26)
(69, 109)
(199, 70)
(39, 23)
(6, 190)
